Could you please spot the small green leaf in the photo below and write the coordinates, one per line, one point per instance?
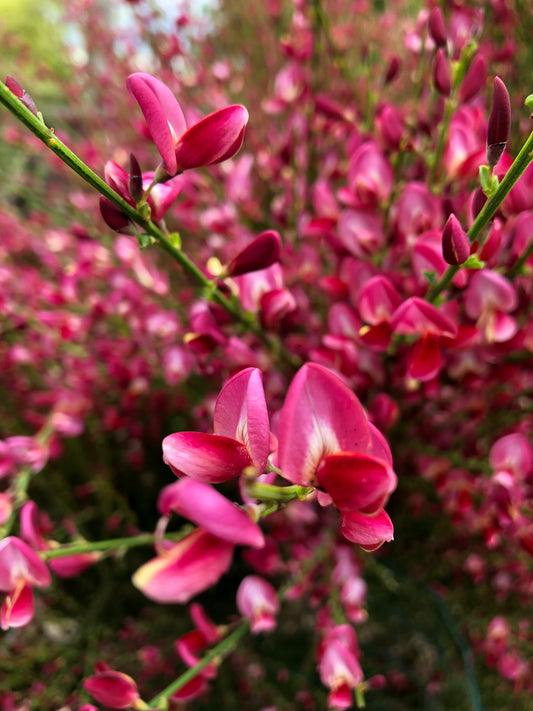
(430, 276)
(175, 240)
(473, 262)
(145, 240)
(529, 102)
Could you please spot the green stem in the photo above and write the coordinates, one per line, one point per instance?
(223, 648)
(520, 163)
(143, 539)
(48, 137)
(269, 492)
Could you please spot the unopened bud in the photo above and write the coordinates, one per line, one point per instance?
(15, 88)
(135, 179)
(113, 217)
(392, 70)
(455, 242)
(478, 201)
(437, 28)
(499, 122)
(474, 79)
(441, 74)
(259, 254)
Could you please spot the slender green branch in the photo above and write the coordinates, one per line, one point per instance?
(211, 291)
(521, 162)
(223, 648)
(112, 544)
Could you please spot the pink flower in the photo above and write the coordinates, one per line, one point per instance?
(188, 567)
(20, 570)
(213, 139)
(338, 665)
(325, 440)
(257, 600)
(112, 688)
(241, 436)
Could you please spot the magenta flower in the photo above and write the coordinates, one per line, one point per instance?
(257, 600)
(241, 438)
(20, 570)
(325, 440)
(185, 569)
(213, 139)
(338, 665)
(112, 688)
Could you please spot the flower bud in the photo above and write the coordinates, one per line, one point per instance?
(474, 79)
(478, 201)
(436, 27)
(113, 217)
(259, 254)
(15, 88)
(499, 122)
(441, 74)
(112, 688)
(455, 242)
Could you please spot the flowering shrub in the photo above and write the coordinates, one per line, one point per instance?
(305, 275)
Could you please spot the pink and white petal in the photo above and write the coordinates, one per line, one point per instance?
(191, 566)
(416, 316)
(162, 113)
(213, 139)
(424, 359)
(241, 413)
(17, 609)
(320, 416)
(370, 532)
(356, 481)
(20, 562)
(206, 507)
(209, 458)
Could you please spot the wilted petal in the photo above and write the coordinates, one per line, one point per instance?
(209, 458)
(241, 414)
(356, 481)
(320, 416)
(192, 565)
(211, 510)
(370, 532)
(213, 139)
(162, 113)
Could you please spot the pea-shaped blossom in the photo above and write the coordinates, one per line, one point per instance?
(213, 139)
(338, 665)
(20, 570)
(112, 688)
(325, 440)
(241, 438)
(257, 600)
(181, 570)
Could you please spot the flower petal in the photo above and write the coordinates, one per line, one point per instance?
(241, 413)
(211, 510)
(370, 532)
(356, 481)
(162, 113)
(209, 458)
(320, 416)
(194, 564)
(213, 139)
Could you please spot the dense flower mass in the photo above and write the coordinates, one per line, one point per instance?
(309, 280)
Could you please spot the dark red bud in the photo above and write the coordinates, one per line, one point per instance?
(499, 122)
(441, 74)
(437, 28)
(392, 70)
(15, 88)
(478, 201)
(135, 179)
(474, 79)
(113, 217)
(259, 254)
(455, 242)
